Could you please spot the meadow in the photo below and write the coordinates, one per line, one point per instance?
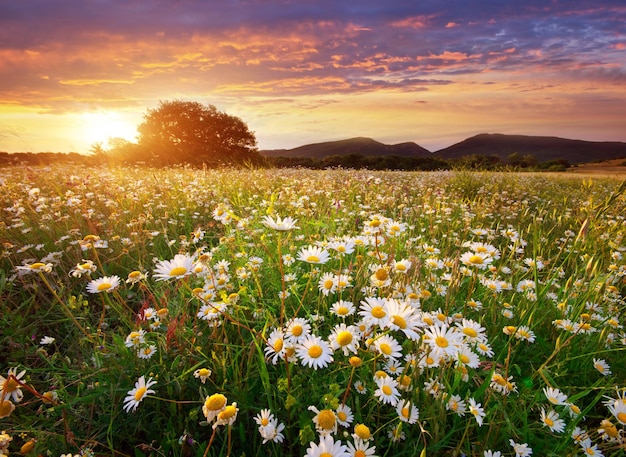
(185, 312)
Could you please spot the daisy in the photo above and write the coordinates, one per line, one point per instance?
(46, 340)
(6, 408)
(342, 309)
(472, 331)
(490, 453)
(401, 266)
(325, 421)
(297, 330)
(275, 348)
(85, 268)
(314, 255)
(342, 247)
(525, 334)
(269, 428)
(608, 431)
(407, 412)
(135, 276)
(618, 409)
(603, 368)
(104, 284)
(135, 338)
(480, 260)
(387, 391)
(388, 346)
(590, 449)
(146, 352)
(327, 284)
(344, 415)
(521, 449)
(361, 448)
(552, 421)
(403, 317)
(226, 416)
(213, 405)
(279, 224)
(346, 338)
(555, 396)
(360, 388)
(203, 374)
(456, 405)
(134, 396)
(9, 387)
(477, 410)
(179, 267)
(362, 432)
(327, 447)
(443, 340)
(373, 310)
(314, 352)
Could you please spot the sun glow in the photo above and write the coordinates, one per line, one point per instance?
(101, 126)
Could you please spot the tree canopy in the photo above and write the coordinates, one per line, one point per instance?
(189, 132)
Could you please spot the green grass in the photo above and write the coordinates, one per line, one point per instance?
(536, 261)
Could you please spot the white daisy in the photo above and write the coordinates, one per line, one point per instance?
(314, 352)
(136, 395)
(104, 284)
(179, 267)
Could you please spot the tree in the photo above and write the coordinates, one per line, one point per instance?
(189, 132)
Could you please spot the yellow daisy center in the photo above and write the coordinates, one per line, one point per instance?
(470, 332)
(342, 311)
(37, 265)
(278, 345)
(10, 385)
(344, 338)
(399, 321)
(203, 372)
(104, 286)
(378, 312)
(405, 412)
(315, 351)
(342, 416)
(297, 330)
(362, 431)
(476, 260)
(313, 258)
(464, 358)
(264, 421)
(326, 419)
(134, 275)
(385, 348)
(328, 284)
(549, 422)
(386, 390)
(355, 361)
(621, 416)
(215, 402)
(405, 381)
(442, 342)
(6, 407)
(360, 453)
(228, 412)
(381, 274)
(140, 393)
(400, 267)
(326, 454)
(178, 271)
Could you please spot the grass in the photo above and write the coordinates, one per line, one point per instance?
(151, 312)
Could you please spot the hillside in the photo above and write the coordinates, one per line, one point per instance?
(366, 147)
(543, 148)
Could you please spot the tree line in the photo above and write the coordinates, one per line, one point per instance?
(189, 133)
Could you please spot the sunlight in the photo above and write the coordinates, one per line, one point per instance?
(101, 126)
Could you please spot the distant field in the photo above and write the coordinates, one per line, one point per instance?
(195, 313)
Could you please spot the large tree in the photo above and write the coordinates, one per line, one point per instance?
(189, 132)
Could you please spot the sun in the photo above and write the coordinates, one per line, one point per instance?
(101, 126)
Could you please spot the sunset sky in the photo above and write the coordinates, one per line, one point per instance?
(73, 73)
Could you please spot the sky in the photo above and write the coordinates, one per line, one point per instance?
(76, 73)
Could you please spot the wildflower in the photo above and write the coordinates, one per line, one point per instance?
(608, 431)
(314, 255)
(146, 352)
(388, 346)
(484, 349)
(226, 416)
(490, 453)
(104, 284)
(466, 357)
(275, 348)
(407, 412)
(279, 224)
(502, 385)
(603, 368)
(344, 415)
(472, 331)
(6, 407)
(342, 247)
(327, 447)
(135, 338)
(203, 374)
(456, 405)
(443, 340)
(618, 409)
(525, 334)
(574, 411)
(314, 352)
(477, 410)
(342, 309)
(269, 428)
(179, 267)
(552, 421)
(362, 432)
(373, 310)
(9, 386)
(85, 268)
(521, 450)
(579, 435)
(134, 396)
(590, 449)
(213, 405)
(478, 260)
(360, 388)
(325, 421)
(387, 391)
(361, 448)
(401, 266)
(396, 434)
(344, 337)
(46, 340)
(555, 396)
(135, 276)
(402, 317)
(37, 267)
(327, 284)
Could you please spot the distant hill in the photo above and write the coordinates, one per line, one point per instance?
(362, 146)
(543, 148)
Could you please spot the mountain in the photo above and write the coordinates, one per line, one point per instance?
(543, 148)
(361, 146)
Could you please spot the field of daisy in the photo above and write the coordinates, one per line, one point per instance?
(182, 312)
